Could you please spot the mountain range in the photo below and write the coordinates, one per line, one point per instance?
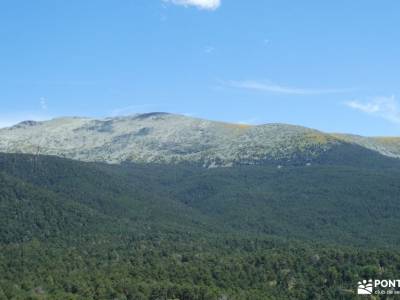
(169, 138)
(160, 206)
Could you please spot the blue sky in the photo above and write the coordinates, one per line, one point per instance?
(330, 65)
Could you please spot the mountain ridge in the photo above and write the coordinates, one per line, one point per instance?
(160, 137)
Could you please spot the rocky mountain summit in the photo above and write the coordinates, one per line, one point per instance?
(170, 138)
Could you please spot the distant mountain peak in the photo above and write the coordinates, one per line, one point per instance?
(27, 123)
(151, 115)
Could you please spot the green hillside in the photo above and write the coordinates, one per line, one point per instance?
(74, 230)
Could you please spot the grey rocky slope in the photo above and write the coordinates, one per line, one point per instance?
(168, 138)
(388, 146)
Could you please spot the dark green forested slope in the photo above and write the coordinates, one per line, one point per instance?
(336, 204)
(73, 230)
(30, 212)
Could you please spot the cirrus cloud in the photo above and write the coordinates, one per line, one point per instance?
(202, 4)
(384, 107)
(267, 86)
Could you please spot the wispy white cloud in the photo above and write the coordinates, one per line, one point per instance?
(266, 86)
(202, 4)
(384, 107)
(209, 49)
(43, 103)
(67, 83)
